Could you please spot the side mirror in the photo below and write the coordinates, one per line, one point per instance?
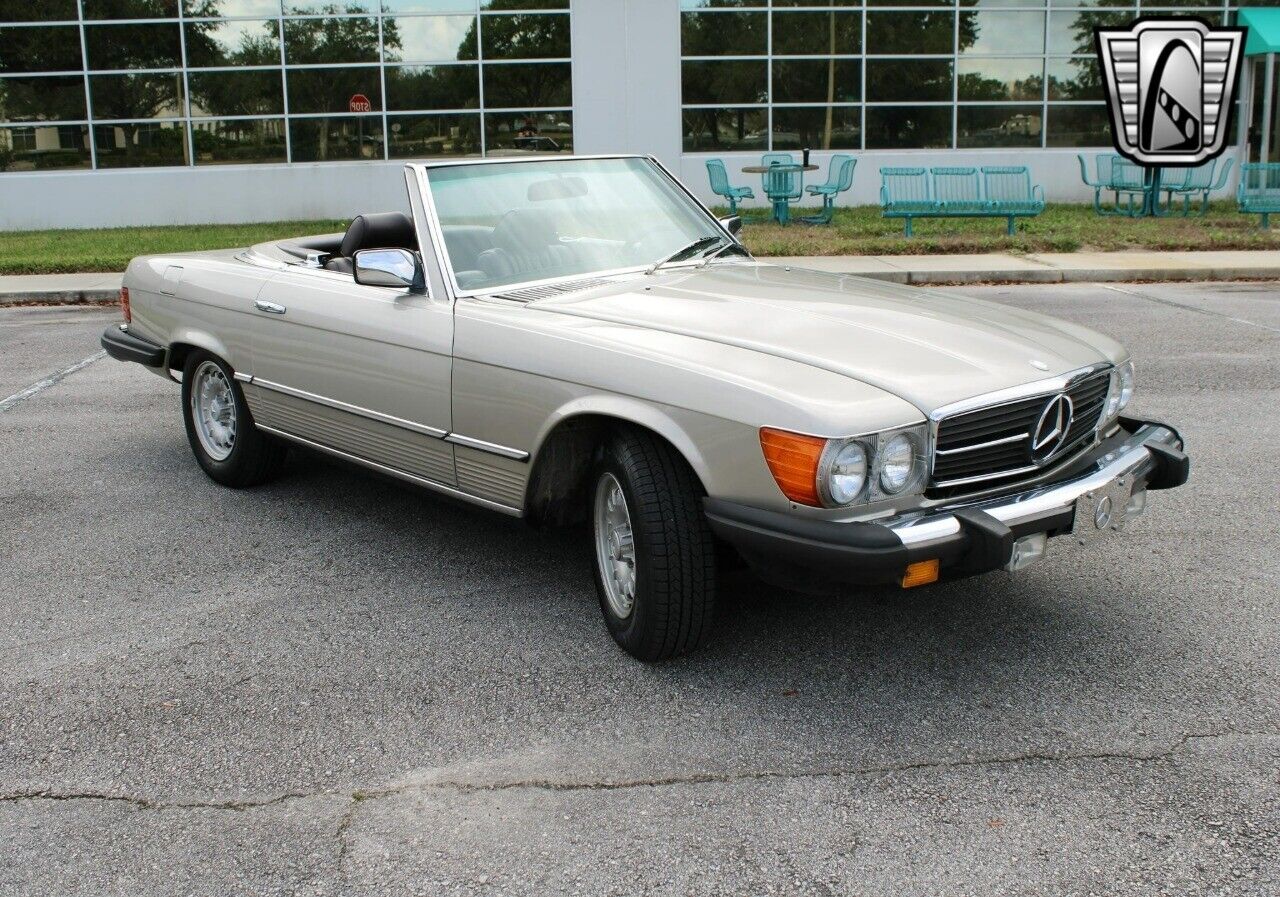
(398, 268)
(732, 224)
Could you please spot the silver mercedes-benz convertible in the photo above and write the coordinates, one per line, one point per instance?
(579, 339)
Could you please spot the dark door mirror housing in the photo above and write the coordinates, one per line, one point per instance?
(733, 224)
(396, 268)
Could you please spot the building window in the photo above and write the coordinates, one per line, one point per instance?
(136, 83)
(899, 74)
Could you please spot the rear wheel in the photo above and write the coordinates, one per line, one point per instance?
(654, 553)
(220, 428)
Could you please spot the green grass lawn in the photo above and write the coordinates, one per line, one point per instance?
(1060, 228)
(855, 231)
(65, 251)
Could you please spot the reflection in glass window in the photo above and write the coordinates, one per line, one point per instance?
(44, 148)
(817, 127)
(43, 11)
(423, 87)
(1085, 125)
(431, 38)
(527, 85)
(1072, 32)
(527, 133)
(1075, 79)
(239, 142)
(725, 82)
(333, 40)
(817, 33)
(331, 90)
(908, 127)
(336, 138)
(234, 42)
(141, 144)
(533, 36)
(129, 9)
(1001, 32)
(524, 4)
(203, 8)
(428, 5)
(134, 46)
(1000, 79)
(252, 92)
(39, 49)
(817, 80)
(911, 33)
(147, 95)
(719, 130)
(908, 79)
(51, 98)
(424, 136)
(724, 33)
(994, 126)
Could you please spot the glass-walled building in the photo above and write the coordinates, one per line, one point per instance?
(151, 83)
(900, 74)
(223, 110)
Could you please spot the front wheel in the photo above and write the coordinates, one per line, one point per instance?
(654, 553)
(227, 445)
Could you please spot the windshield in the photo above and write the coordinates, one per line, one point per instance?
(514, 222)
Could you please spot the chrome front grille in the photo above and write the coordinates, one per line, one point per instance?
(995, 442)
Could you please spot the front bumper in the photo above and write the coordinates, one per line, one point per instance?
(965, 538)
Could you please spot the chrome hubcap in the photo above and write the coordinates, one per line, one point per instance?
(213, 408)
(615, 546)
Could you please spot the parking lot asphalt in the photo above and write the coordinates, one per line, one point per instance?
(337, 685)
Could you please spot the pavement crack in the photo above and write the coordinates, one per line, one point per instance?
(145, 803)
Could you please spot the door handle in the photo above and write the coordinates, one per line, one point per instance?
(269, 307)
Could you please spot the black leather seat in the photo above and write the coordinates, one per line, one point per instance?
(525, 242)
(379, 230)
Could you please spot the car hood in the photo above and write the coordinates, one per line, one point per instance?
(928, 346)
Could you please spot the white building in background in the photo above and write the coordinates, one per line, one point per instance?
(119, 112)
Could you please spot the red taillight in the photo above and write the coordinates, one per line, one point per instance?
(124, 305)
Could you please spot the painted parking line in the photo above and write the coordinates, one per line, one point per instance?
(53, 380)
(1204, 311)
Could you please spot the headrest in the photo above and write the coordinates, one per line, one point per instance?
(525, 230)
(381, 230)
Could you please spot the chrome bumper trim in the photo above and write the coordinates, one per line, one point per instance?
(1131, 458)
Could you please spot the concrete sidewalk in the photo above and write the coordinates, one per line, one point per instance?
(1049, 267)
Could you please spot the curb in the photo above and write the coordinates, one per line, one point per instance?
(61, 297)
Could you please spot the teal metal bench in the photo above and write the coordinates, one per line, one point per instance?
(1259, 191)
(992, 192)
(1196, 180)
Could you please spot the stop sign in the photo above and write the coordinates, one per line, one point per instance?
(359, 103)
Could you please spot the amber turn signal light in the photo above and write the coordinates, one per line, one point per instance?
(125, 310)
(921, 573)
(793, 460)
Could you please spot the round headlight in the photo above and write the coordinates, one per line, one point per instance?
(897, 463)
(848, 473)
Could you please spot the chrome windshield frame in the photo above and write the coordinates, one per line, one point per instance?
(418, 171)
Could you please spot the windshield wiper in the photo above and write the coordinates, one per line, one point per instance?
(715, 253)
(684, 251)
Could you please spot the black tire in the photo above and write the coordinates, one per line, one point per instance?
(675, 553)
(254, 457)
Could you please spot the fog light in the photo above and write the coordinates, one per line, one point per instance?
(1137, 503)
(921, 573)
(1026, 551)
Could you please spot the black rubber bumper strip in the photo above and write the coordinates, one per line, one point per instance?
(844, 548)
(124, 346)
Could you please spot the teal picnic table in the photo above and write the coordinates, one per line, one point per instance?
(781, 185)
